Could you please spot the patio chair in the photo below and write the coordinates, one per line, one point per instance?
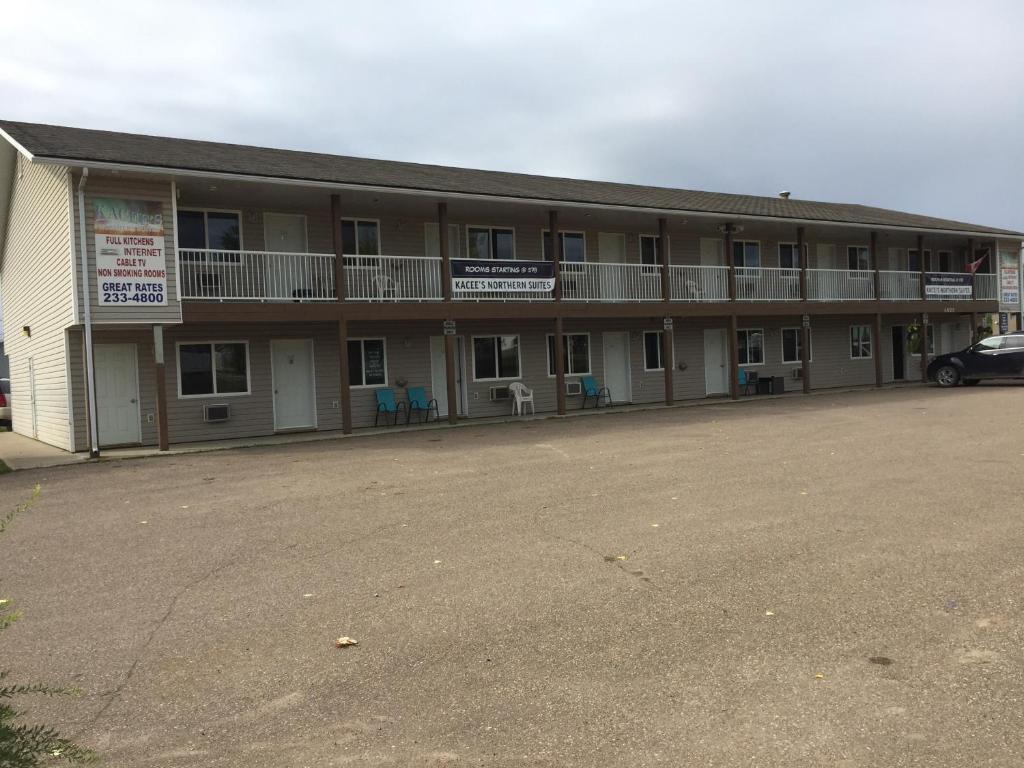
(748, 380)
(591, 390)
(520, 397)
(386, 287)
(420, 403)
(388, 406)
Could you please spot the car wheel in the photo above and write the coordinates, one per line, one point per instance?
(971, 382)
(947, 376)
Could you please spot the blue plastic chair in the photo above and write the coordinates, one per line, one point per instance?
(420, 403)
(747, 380)
(592, 390)
(388, 406)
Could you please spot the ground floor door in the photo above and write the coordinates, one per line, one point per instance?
(439, 376)
(294, 388)
(716, 361)
(616, 366)
(899, 353)
(117, 394)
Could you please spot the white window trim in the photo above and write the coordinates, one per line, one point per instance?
(938, 255)
(305, 228)
(491, 228)
(764, 338)
(590, 362)
(640, 248)
(195, 342)
(544, 233)
(760, 254)
(206, 235)
(643, 351)
(782, 344)
(924, 261)
(384, 345)
(871, 336)
(869, 268)
(519, 354)
(357, 219)
(793, 245)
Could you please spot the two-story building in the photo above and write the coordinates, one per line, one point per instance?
(161, 290)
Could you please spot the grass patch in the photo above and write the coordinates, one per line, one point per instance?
(4, 469)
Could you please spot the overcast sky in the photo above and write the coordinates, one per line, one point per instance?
(914, 105)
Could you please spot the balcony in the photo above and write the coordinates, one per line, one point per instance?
(840, 285)
(595, 281)
(767, 284)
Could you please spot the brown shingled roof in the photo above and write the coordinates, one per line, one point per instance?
(80, 145)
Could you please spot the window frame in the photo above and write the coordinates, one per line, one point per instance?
(930, 337)
(490, 241)
(519, 354)
(924, 262)
(220, 261)
(795, 250)
(760, 258)
(544, 233)
(213, 358)
(356, 220)
(763, 339)
(362, 352)
(661, 344)
(810, 344)
(550, 338)
(867, 255)
(860, 342)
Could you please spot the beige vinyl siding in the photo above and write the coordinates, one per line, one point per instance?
(37, 292)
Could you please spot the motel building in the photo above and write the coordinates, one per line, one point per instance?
(160, 291)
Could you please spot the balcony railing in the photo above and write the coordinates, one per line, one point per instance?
(767, 284)
(840, 284)
(595, 281)
(699, 283)
(393, 278)
(900, 286)
(256, 275)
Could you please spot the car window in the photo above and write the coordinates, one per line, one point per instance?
(992, 342)
(5, 386)
(1014, 342)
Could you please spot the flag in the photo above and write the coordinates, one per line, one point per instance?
(973, 266)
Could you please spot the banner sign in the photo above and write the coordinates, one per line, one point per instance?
(1004, 322)
(1009, 282)
(948, 286)
(497, 275)
(131, 266)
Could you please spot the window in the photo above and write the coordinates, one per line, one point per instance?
(573, 246)
(495, 357)
(367, 363)
(792, 345)
(789, 256)
(941, 262)
(914, 262)
(576, 354)
(860, 342)
(360, 237)
(210, 231)
(992, 342)
(931, 342)
(213, 368)
(746, 253)
(858, 258)
(652, 350)
(750, 345)
(1011, 342)
(490, 243)
(649, 250)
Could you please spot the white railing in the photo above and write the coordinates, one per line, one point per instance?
(767, 284)
(594, 281)
(699, 283)
(900, 286)
(393, 278)
(986, 287)
(840, 284)
(256, 275)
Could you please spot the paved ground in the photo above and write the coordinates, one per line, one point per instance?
(20, 452)
(690, 587)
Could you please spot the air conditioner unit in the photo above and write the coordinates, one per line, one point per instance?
(215, 413)
(500, 393)
(798, 373)
(573, 388)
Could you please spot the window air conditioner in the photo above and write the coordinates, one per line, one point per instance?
(215, 413)
(499, 393)
(573, 388)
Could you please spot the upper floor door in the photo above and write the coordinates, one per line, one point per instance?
(285, 232)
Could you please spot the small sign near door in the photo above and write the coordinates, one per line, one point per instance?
(806, 321)
(449, 327)
(668, 324)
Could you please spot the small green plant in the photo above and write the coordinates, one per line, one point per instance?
(21, 745)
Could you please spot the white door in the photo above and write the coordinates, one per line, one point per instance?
(611, 249)
(616, 366)
(117, 394)
(716, 361)
(285, 232)
(712, 252)
(439, 376)
(826, 256)
(292, 375)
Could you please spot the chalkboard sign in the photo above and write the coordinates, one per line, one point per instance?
(374, 362)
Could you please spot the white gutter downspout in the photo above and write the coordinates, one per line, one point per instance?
(90, 369)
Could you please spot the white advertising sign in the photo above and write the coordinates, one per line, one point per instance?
(131, 265)
(1009, 282)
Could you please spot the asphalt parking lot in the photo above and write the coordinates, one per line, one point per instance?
(823, 581)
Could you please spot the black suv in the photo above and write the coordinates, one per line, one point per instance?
(996, 357)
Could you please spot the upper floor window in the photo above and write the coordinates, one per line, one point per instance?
(941, 262)
(216, 231)
(490, 243)
(649, 250)
(858, 258)
(574, 247)
(746, 253)
(789, 256)
(914, 260)
(360, 237)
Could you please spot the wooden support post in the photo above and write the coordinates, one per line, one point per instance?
(970, 259)
(921, 263)
(731, 262)
(924, 347)
(803, 262)
(974, 328)
(876, 348)
(556, 257)
(346, 394)
(805, 352)
(875, 263)
(451, 379)
(668, 359)
(446, 263)
(664, 258)
(734, 359)
(339, 256)
(160, 375)
(559, 342)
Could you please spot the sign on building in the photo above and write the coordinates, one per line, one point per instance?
(499, 275)
(131, 265)
(945, 285)
(1009, 282)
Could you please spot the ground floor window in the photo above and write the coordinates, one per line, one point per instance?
(916, 351)
(495, 357)
(792, 345)
(213, 368)
(750, 345)
(367, 363)
(575, 354)
(652, 351)
(860, 342)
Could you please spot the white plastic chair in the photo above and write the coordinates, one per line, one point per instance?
(520, 396)
(387, 288)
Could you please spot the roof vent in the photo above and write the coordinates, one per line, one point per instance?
(784, 195)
